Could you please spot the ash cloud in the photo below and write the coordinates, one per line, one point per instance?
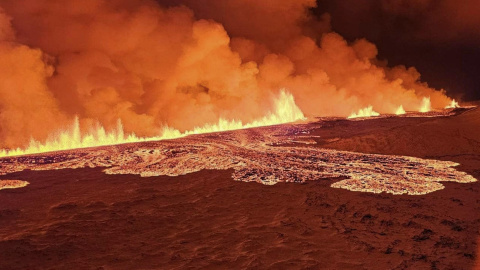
(182, 63)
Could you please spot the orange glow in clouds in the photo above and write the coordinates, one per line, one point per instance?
(285, 111)
(153, 65)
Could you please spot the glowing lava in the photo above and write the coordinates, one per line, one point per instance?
(266, 155)
(452, 105)
(285, 111)
(365, 112)
(400, 110)
(10, 184)
(426, 105)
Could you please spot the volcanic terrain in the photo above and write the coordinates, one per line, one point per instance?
(392, 192)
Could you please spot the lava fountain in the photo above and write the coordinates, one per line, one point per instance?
(365, 112)
(266, 155)
(284, 111)
(400, 110)
(426, 105)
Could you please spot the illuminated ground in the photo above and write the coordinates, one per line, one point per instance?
(205, 219)
(265, 155)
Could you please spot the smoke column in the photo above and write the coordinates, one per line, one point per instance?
(182, 64)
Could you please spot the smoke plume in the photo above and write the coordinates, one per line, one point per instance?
(182, 63)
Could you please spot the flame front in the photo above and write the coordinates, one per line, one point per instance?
(365, 112)
(285, 111)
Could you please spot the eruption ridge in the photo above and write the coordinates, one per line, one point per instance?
(285, 111)
(267, 155)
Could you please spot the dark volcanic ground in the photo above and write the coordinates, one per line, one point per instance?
(84, 219)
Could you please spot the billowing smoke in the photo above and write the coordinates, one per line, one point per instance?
(182, 63)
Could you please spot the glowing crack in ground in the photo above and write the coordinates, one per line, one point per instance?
(265, 155)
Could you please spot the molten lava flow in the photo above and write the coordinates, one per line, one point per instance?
(10, 184)
(285, 111)
(266, 155)
(426, 105)
(365, 112)
(452, 105)
(400, 110)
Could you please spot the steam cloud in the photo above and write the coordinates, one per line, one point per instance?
(182, 63)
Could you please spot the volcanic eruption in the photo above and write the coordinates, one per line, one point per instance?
(131, 130)
(160, 66)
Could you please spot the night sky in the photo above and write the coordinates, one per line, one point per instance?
(440, 38)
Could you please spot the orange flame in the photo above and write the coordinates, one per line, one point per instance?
(285, 111)
(454, 104)
(400, 110)
(426, 105)
(365, 112)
